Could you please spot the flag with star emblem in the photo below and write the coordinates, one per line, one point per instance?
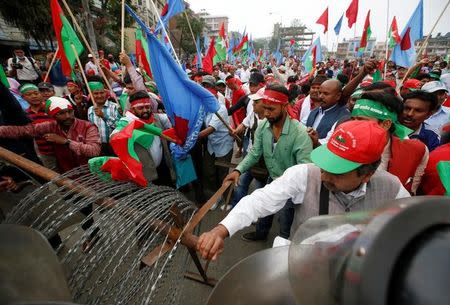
(312, 56)
(220, 46)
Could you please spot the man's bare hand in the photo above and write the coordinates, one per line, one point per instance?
(125, 60)
(233, 177)
(54, 138)
(98, 112)
(314, 135)
(210, 244)
(370, 65)
(7, 184)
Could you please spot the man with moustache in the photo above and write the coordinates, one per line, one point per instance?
(343, 178)
(283, 142)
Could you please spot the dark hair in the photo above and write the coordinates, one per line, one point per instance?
(380, 86)
(368, 168)
(278, 87)
(138, 95)
(95, 78)
(319, 79)
(228, 77)
(445, 137)
(292, 79)
(294, 91)
(421, 76)
(342, 78)
(390, 101)
(269, 70)
(424, 96)
(127, 79)
(305, 88)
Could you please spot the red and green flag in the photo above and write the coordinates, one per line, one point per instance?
(3, 77)
(220, 46)
(126, 166)
(66, 37)
(366, 33)
(142, 53)
(242, 48)
(208, 59)
(393, 37)
(377, 76)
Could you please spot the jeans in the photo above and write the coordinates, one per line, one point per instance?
(242, 189)
(285, 218)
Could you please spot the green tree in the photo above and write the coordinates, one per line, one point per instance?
(185, 40)
(33, 18)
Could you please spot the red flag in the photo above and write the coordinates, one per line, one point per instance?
(292, 41)
(366, 32)
(241, 44)
(405, 44)
(352, 13)
(208, 59)
(323, 20)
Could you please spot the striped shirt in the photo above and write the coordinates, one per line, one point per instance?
(44, 147)
(106, 124)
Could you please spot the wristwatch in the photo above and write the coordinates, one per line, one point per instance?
(67, 142)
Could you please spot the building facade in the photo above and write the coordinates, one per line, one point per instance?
(213, 23)
(302, 36)
(349, 48)
(438, 45)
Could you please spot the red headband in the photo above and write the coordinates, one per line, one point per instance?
(140, 102)
(274, 97)
(71, 83)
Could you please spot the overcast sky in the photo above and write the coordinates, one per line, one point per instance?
(258, 16)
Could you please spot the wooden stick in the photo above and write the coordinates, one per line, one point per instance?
(122, 38)
(192, 32)
(51, 65)
(227, 125)
(88, 46)
(82, 73)
(425, 43)
(164, 29)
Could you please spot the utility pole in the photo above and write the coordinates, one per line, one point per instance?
(89, 26)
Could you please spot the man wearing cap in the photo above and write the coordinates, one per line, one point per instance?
(74, 141)
(410, 85)
(156, 159)
(219, 143)
(37, 114)
(91, 66)
(47, 90)
(104, 114)
(343, 178)
(441, 115)
(283, 142)
(384, 109)
(418, 106)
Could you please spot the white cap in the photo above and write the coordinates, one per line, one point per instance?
(90, 55)
(445, 78)
(434, 86)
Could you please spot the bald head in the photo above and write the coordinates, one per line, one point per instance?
(330, 93)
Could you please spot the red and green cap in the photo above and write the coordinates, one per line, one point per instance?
(352, 144)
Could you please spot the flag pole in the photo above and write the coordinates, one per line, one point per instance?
(82, 73)
(425, 43)
(163, 28)
(51, 64)
(387, 40)
(190, 29)
(88, 46)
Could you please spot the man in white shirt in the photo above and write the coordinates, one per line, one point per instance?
(338, 179)
(25, 69)
(91, 68)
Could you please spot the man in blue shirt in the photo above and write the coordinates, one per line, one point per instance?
(418, 106)
(219, 143)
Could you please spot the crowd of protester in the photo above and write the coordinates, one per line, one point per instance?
(278, 114)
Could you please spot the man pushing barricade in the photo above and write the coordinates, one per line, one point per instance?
(343, 178)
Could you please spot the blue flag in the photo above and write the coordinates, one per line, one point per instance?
(199, 53)
(205, 43)
(171, 8)
(185, 101)
(277, 55)
(337, 27)
(404, 53)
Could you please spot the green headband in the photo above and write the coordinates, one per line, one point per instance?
(369, 108)
(95, 86)
(27, 87)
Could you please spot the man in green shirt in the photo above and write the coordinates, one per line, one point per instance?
(283, 142)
